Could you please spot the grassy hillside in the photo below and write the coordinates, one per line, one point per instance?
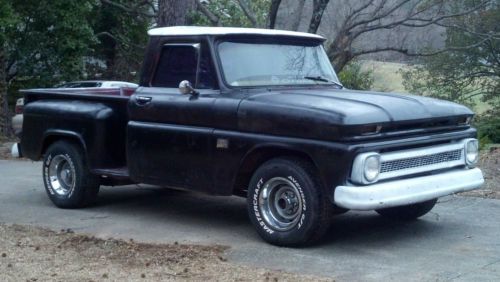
(387, 76)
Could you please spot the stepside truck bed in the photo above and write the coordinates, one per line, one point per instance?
(94, 118)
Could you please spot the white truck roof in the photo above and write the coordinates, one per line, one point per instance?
(203, 30)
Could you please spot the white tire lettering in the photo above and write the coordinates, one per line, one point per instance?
(46, 165)
(256, 207)
(73, 169)
(304, 203)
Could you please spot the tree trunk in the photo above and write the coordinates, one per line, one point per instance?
(319, 7)
(5, 128)
(339, 51)
(297, 15)
(175, 12)
(273, 13)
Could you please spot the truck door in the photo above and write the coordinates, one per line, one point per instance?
(170, 135)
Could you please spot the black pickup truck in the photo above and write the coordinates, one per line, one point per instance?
(255, 113)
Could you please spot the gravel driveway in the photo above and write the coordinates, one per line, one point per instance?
(458, 240)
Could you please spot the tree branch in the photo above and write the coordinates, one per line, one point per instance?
(119, 40)
(132, 10)
(297, 15)
(405, 51)
(205, 11)
(248, 12)
(319, 7)
(406, 21)
(378, 17)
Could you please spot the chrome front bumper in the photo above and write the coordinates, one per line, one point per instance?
(407, 191)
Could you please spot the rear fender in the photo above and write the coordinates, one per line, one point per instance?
(55, 135)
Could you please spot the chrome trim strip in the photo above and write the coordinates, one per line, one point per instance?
(422, 152)
(420, 169)
(357, 173)
(407, 191)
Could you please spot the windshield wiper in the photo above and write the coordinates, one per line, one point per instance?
(323, 79)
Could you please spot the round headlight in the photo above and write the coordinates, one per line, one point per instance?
(471, 152)
(372, 168)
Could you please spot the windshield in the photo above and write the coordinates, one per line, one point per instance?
(249, 64)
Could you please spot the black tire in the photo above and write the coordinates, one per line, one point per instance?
(309, 212)
(409, 212)
(67, 179)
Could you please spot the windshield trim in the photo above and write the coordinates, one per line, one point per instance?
(218, 61)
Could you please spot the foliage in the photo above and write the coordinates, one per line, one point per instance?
(65, 40)
(353, 77)
(469, 73)
(48, 42)
(488, 127)
(7, 20)
(230, 13)
(121, 41)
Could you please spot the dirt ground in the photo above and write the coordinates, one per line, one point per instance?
(490, 165)
(5, 147)
(35, 254)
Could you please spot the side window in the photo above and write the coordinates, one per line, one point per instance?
(206, 74)
(177, 63)
(180, 62)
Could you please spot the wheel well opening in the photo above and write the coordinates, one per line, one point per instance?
(255, 159)
(51, 139)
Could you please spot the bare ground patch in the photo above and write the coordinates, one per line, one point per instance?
(490, 165)
(5, 148)
(36, 254)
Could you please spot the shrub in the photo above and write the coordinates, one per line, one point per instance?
(353, 77)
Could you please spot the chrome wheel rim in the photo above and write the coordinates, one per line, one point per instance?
(61, 175)
(280, 204)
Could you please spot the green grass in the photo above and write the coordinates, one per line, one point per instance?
(480, 107)
(387, 76)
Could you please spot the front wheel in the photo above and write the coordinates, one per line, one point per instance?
(409, 212)
(67, 179)
(286, 203)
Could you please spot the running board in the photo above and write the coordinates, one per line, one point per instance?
(120, 173)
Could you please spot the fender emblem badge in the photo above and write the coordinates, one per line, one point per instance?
(222, 143)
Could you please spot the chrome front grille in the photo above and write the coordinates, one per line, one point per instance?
(421, 161)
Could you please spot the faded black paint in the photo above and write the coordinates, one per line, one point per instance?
(171, 139)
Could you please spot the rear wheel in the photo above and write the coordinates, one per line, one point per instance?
(67, 179)
(409, 212)
(286, 203)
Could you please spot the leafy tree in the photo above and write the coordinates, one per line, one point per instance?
(232, 13)
(7, 20)
(42, 42)
(121, 42)
(469, 72)
(174, 12)
(49, 41)
(353, 77)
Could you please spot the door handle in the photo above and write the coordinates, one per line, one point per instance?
(143, 100)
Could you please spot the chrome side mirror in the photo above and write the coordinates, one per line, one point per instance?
(185, 88)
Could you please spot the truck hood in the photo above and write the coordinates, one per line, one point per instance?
(332, 109)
